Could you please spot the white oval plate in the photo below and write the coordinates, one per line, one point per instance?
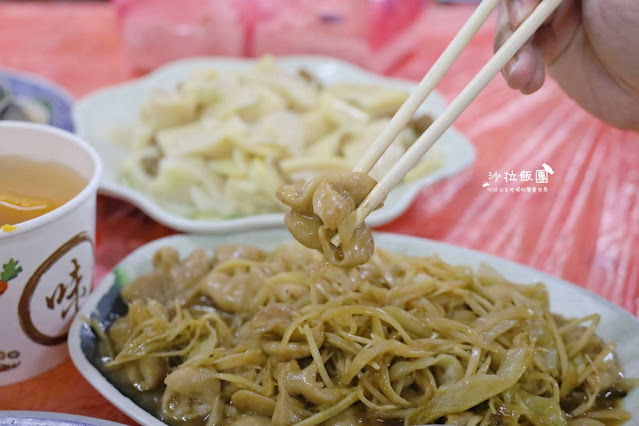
(98, 117)
(565, 298)
(41, 418)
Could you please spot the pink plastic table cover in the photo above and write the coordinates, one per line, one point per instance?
(584, 229)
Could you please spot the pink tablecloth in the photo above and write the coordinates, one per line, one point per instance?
(585, 229)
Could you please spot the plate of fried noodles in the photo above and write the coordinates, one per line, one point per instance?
(255, 329)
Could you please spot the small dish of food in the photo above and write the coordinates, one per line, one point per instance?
(201, 145)
(202, 330)
(31, 98)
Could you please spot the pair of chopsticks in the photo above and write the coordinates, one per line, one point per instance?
(453, 111)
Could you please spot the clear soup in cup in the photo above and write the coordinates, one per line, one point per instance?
(48, 185)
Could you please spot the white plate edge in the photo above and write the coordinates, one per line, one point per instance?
(51, 415)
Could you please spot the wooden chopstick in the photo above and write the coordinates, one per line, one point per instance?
(426, 86)
(454, 110)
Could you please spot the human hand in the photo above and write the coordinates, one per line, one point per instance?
(590, 47)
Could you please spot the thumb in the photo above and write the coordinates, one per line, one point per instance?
(525, 71)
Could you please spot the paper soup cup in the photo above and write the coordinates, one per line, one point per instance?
(46, 262)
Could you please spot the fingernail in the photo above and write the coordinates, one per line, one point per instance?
(518, 13)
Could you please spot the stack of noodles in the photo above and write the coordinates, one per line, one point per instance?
(255, 338)
(221, 143)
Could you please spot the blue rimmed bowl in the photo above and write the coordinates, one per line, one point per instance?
(29, 97)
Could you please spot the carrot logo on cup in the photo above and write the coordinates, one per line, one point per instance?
(10, 270)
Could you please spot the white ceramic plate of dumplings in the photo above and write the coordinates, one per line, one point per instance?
(100, 115)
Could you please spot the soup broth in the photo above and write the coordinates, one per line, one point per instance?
(29, 189)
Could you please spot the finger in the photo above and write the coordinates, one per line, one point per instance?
(554, 38)
(525, 71)
(520, 10)
(503, 30)
(521, 69)
(538, 76)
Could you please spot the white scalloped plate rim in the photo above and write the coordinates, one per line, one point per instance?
(43, 418)
(99, 114)
(616, 324)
